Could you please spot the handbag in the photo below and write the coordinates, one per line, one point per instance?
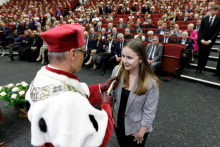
(1, 117)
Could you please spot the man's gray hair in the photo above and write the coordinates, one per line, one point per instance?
(127, 29)
(120, 34)
(91, 29)
(155, 37)
(58, 57)
(121, 19)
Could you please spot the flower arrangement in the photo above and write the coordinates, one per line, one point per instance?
(14, 94)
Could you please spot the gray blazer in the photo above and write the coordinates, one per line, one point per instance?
(123, 25)
(140, 110)
(178, 34)
(90, 35)
(157, 53)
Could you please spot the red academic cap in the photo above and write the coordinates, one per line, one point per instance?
(64, 38)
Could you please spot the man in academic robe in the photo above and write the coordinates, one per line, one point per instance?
(62, 111)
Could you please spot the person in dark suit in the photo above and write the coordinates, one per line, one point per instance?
(162, 30)
(109, 48)
(100, 20)
(42, 20)
(137, 28)
(103, 33)
(19, 28)
(101, 9)
(166, 38)
(129, 27)
(174, 18)
(127, 34)
(15, 45)
(197, 26)
(99, 27)
(217, 72)
(120, 9)
(89, 45)
(28, 25)
(121, 24)
(109, 28)
(208, 32)
(26, 42)
(186, 17)
(108, 8)
(96, 52)
(118, 48)
(31, 53)
(114, 33)
(149, 25)
(154, 52)
(184, 60)
(92, 33)
(145, 9)
(7, 32)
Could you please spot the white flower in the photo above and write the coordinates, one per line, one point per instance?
(22, 93)
(10, 85)
(3, 93)
(15, 89)
(14, 96)
(18, 84)
(0, 88)
(24, 84)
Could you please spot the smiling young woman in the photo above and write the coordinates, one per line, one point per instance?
(136, 96)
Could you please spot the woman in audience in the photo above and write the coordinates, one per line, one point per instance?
(133, 8)
(145, 21)
(39, 30)
(130, 21)
(177, 10)
(160, 24)
(30, 32)
(131, 15)
(140, 35)
(152, 10)
(136, 97)
(161, 11)
(201, 14)
(96, 52)
(149, 36)
(194, 36)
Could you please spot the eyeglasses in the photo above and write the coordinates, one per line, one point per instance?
(82, 51)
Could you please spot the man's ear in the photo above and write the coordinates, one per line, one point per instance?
(72, 54)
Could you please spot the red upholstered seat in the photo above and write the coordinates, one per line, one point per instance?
(183, 27)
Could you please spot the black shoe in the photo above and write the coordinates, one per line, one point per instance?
(45, 63)
(216, 74)
(197, 71)
(102, 73)
(11, 59)
(202, 72)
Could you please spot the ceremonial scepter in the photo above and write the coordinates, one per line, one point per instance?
(112, 84)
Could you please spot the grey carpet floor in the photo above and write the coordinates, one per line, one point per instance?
(188, 113)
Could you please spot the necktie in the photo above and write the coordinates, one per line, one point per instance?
(151, 54)
(86, 43)
(210, 23)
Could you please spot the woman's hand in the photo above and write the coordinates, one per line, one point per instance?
(138, 137)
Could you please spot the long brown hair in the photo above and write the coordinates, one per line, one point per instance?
(145, 71)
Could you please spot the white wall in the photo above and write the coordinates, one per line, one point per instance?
(2, 1)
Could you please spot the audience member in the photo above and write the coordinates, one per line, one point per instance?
(92, 33)
(118, 48)
(89, 45)
(186, 17)
(109, 48)
(121, 24)
(100, 20)
(108, 8)
(109, 29)
(166, 38)
(174, 18)
(7, 33)
(187, 52)
(27, 24)
(99, 27)
(149, 25)
(172, 24)
(161, 31)
(127, 34)
(114, 33)
(101, 9)
(149, 36)
(109, 18)
(197, 26)
(15, 45)
(154, 52)
(140, 34)
(176, 32)
(137, 28)
(103, 33)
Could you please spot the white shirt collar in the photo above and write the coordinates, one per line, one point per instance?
(212, 17)
(52, 67)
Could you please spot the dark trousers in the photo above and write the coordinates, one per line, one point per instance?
(46, 56)
(21, 52)
(127, 141)
(204, 51)
(104, 58)
(184, 60)
(218, 66)
(12, 47)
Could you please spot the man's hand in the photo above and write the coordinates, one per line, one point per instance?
(93, 51)
(150, 61)
(105, 85)
(175, 30)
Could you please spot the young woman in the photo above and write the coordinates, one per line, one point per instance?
(136, 96)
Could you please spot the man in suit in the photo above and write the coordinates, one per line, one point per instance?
(7, 33)
(145, 9)
(26, 42)
(127, 34)
(99, 27)
(31, 53)
(121, 24)
(198, 23)
(89, 45)
(139, 22)
(109, 29)
(137, 28)
(92, 33)
(176, 32)
(174, 18)
(184, 60)
(129, 27)
(161, 31)
(61, 18)
(15, 45)
(100, 20)
(208, 32)
(19, 28)
(27, 24)
(101, 8)
(118, 49)
(109, 48)
(108, 8)
(154, 52)
(149, 25)
(103, 33)
(120, 9)
(166, 38)
(217, 73)
(186, 17)
(114, 33)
